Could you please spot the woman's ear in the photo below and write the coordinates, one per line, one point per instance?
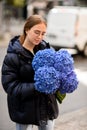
(26, 31)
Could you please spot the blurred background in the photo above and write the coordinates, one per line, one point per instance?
(18, 10)
(73, 110)
(14, 12)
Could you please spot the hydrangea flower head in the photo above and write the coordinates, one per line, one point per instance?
(47, 80)
(43, 57)
(63, 61)
(69, 82)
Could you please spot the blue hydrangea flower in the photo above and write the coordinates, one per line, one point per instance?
(43, 57)
(47, 80)
(63, 61)
(69, 82)
(54, 70)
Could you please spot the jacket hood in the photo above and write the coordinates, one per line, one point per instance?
(14, 45)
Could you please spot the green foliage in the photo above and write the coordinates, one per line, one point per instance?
(60, 97)
(18, 3)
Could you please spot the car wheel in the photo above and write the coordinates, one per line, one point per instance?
(85, 50)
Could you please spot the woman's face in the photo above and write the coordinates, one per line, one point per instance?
(36, 34)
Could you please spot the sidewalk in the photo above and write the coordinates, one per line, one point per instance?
(4, 40)
(76, 120)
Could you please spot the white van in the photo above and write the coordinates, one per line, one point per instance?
(67, 28)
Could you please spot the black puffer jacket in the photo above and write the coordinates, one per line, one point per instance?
(25, 104)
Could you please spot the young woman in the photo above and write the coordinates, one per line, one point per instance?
(27, 106)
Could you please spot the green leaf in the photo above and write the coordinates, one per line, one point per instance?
(60, 97)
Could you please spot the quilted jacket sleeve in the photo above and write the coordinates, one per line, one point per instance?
(11, 81)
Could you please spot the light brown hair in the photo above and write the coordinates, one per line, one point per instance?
(30, 22)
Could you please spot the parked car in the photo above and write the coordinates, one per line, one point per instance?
(67, 28)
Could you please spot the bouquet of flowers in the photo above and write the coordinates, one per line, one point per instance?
(54, 72)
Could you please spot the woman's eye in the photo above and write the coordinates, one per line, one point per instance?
(36, 32)
(39, 33)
